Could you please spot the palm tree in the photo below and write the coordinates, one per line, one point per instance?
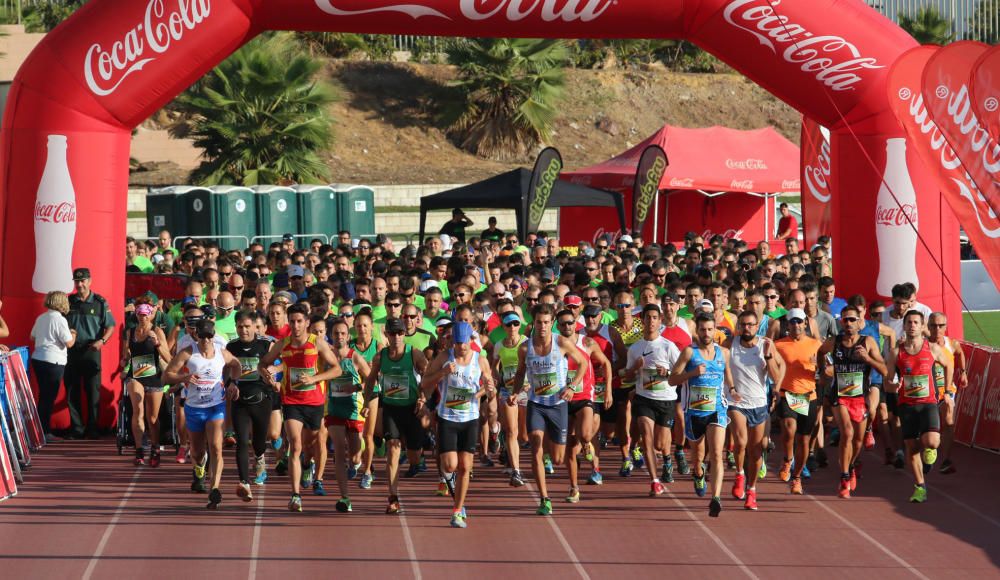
(509, 92)
(927, 27)
(260, 116)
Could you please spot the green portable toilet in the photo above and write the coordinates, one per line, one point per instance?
(357, 209)
(165, 210)
(277, 211)
(233, 215)
(319, 211)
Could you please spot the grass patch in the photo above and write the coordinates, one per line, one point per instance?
(988, 322)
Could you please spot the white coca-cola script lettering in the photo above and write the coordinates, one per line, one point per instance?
(817, 173)
(748, 164)
(512, 10)
(727, 235)
(833, 60)
(741, 184)
(106, 68)
(681, 182)
(57, 213)
(896, 216)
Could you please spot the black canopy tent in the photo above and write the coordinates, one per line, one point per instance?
(509, 190)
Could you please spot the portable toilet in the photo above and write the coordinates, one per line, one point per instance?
(319, 211)
(277, 211)
(357, 209)
(232, 214)
(165, 210)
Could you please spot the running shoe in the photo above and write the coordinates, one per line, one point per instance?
(517, 481)
(230, 439)
(699, 485)
(656, 488)
(898, 462)
(412, 471)
(854, 477)
(806, 474)
(929, 457)
(380, 449)
(154, 459)
(261, 478)
(442, 490)
(715, 507)
(199, 469)
(281, 467)
(318, 487)
(762, 472)
(422, 465)
(796, 487)
(574, 495)
(393, 507)
(739, 486)
(243, 491)
(683, 467)
(919, 494)
(730, 460)
(588, 452)
(277, 443)
(844, 490)
(626, 470)
(785, 473)
(198, 483)
(139, 458)
(493, 445)
(811, 463)
(344, 505)
(308, 474)
(450, 483)
(544, 507)
(214, 499)
(352, 470)
(750, 503)
(947, 468)
(366, 481)
(458, 520)
(182, 455)
(595, 478)
(485, 461)
(295, 504)
(549, 468)
(637, 458)
(667, 473)
(869, 439)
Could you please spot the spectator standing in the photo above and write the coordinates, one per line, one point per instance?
(492, 233)
(455, 227)
(52, 337)
(788, 226)
(90, 316)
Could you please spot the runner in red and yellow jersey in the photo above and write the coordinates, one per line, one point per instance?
(913, 362)
(937, 325)
(308, 363)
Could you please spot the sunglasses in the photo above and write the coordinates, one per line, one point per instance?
(567, 322)
(795, 321)
(221, 309)
(410, 295)
(531, 299)
(497, 296)
(591, 269)
(932, 325)
(393, 304)
(395, 332)
(461, 294)
(347, 315)
(592, 299)
(411, 317)
(771, 296)
(573, 306)
(513, 323)
(623, 306)
(602, 247)
(850, 319)
(592, 315)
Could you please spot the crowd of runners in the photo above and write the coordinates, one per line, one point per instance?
(684, 362)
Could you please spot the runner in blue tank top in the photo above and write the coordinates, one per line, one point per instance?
(462, 377)
(704, 366)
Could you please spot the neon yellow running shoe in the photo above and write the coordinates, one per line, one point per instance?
(919, 494)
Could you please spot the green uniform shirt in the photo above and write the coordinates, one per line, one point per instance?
(419, 340)
(399, 382)
(143, 263)
(777, 312)
(227, 326)
(685, 313)
(88, 318)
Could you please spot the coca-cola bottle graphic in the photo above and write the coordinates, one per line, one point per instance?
(897, 239)
(55, 222)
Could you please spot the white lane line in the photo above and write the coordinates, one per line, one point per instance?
(562, 539)
(718, 541)
(870, 539)
(410, 550)
(255, 549)
(111, 527)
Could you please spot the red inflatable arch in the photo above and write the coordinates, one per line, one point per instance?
(115, 62)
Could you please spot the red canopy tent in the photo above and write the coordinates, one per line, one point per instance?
(719, 181)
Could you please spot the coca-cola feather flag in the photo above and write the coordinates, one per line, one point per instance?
(543, 179)
(817, 218)
(652, 165)
(957, 186)
(985, 87)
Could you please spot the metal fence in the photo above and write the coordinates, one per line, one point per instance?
(970, 19)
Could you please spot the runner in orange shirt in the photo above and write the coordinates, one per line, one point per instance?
(797, 404)
(937, 325)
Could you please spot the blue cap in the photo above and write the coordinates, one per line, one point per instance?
(462, 332)
(510, 317)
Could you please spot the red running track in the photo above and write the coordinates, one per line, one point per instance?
(87, 513)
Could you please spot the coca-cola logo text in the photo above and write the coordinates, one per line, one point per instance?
(56, 213)
(106, 68)
(896, 216)
(817, 174)
(512, 10)
(747, 164)
(730, 234)
(746, 184)
(833, 60)
(681, 182)
(790, 184)
(964, 119)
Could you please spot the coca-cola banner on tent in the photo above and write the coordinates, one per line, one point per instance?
(652, 164)
(988, 424)
(957, 187)
(115, 62)
(816, 187)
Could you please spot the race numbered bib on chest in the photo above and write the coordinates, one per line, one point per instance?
(916, 386)
(459, 398)
(248, 368)
(570, 375)
(850, 384)
(144, 366)
(395, 387)
(342, 386)
(653, 382)
(600, 391)
(798, 402)
(546, 384)
(295, 377)
(703, 398)
(508, 375)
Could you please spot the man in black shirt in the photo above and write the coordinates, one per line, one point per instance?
(455, 227)
(492, 234)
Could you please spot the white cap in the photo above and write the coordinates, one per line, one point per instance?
(796, 313)
(427, 285)
(445, 241)
(626, 238)
(705, 304)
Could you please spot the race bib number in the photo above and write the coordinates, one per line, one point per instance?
(938, 375)
(342, 386)
(798, 402)
(703, 398)
(916, 386)
(295, 376)
(850, 384)
(653, 382)
(570, 375)
(546, 384)
(600, 390)
(508, 375)
(248, 368)
(144, 366)
(395, 387)
(458, 398)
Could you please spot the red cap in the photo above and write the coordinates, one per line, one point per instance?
(572, 300)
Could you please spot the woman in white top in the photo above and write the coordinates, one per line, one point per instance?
(52, 337)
